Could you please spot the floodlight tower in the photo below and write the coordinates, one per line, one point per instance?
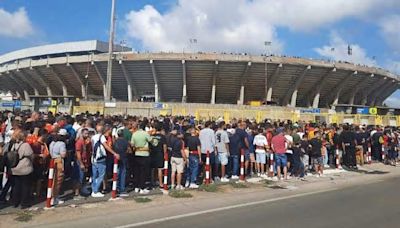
(110, 52)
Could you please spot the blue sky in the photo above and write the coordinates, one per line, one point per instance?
(306, 28)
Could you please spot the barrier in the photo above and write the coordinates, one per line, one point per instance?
(5, 177)
(337, 158)
(369, 157)
(242, 178)
(207, 169)
(115, 179)
(271, 165)
(165, 184)
(50, 185)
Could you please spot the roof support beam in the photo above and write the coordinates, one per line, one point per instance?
(386, 94)
(214, 82)
(314, 92)
(184, 89)
(157, 93)
(131, 88)
(371, 93)
(335, 94)
(23, 79)
(361, 84)
(265, 80)
(380, 91)
(10, 84)
(243, 79)
(292, 92)
(25, 86)
(36, 75)
(59, 80)
(272, 82)
(101, 77)
(79, 79)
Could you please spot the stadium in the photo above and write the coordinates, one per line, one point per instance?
(78, 70)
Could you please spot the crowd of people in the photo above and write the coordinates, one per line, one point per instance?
(84, 148)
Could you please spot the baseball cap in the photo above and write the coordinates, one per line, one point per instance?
(62, 131)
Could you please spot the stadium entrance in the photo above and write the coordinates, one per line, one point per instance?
(53, 104)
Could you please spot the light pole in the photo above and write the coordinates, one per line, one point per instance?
(86, 86)
(192, 41)
(110, 52)
(266, 45)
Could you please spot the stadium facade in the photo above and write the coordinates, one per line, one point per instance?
(78, 69)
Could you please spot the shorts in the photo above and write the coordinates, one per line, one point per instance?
(212, 158)
(223, 158)
(157, 160)
(317, 161)
(280, 160)
(177, 165)
(261, 158)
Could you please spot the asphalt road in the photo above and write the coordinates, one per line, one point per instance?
(372, 205)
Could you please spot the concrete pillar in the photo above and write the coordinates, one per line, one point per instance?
(84, 92)
(26, 95)
(36, 91)
(293, 101)
(65, 91)
(269, 94)
(184, 92)
(316, 100)
(104, 91)
(241, 97)
(213, 89)
(156, 94)
(129, 93)
(336, 100)
(351, 101)
(49, 93)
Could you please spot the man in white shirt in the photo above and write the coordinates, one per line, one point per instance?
(260, 143)
(207, 140)
(222, 146)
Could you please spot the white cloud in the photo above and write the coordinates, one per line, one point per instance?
(337, 49)
(237, 25)
(393, 100)
(15, 24)
(390, 28)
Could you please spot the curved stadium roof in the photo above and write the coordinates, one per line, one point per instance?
(60, 69)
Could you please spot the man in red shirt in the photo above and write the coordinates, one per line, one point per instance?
(279, 147)
(83, 153)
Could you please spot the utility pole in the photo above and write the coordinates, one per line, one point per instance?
(110, 52)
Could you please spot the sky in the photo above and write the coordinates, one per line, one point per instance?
(317, 29)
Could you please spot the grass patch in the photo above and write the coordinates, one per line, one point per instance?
(24, 216)
(142, 199)
(238, 185)
(208, 188)
(180, 194)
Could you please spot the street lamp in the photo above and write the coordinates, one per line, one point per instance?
(266, 45)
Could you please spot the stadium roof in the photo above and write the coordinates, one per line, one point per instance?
(192, 77)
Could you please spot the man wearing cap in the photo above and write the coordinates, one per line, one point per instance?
(58, 152)
(279, 146)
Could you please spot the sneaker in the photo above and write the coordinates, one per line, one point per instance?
(327, 166)
(77, 198)
(193, 186)
(172, 186)
(187, 184)
(259, 174)
(217, 179)
(58, 201)
(137, 190)
(123, 194)
(97, 195)
(235, 177)
(180, 187)
(144, 191)
(224, 180)
(264, 176)
(275, 178)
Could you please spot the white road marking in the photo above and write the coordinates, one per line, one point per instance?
(221, 209)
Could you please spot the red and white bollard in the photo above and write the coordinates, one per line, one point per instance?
(165, 184)
(5, 177)
(337, 158)
(383, 153)
(242, 165)
(369, 156)
(115, 179)
(271, 165)
(50, 185)
(207, 169)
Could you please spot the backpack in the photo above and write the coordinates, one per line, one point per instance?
(98, 154)
(381, 140)
(12, 157)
